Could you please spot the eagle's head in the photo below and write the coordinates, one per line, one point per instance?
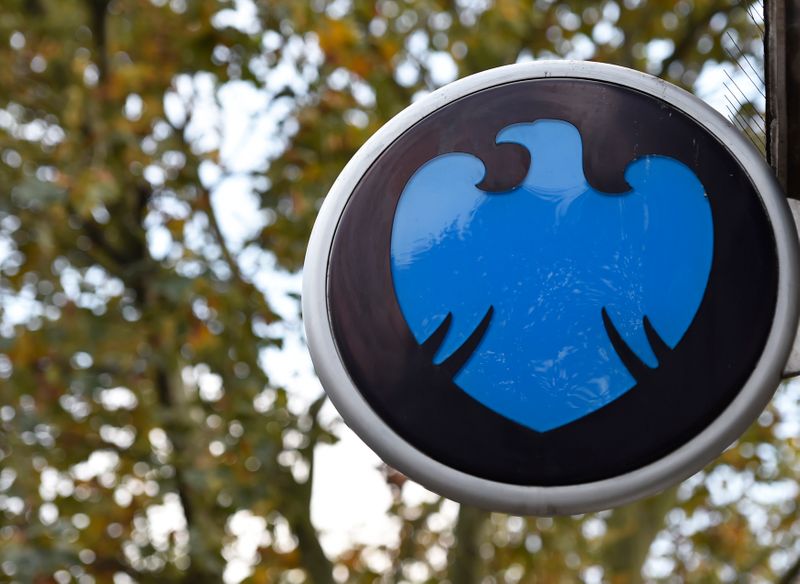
(556, 151)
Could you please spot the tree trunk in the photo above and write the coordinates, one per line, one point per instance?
(631, 531)
(465, 565)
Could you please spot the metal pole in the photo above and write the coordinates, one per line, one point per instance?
(782, 48)
(782, 68)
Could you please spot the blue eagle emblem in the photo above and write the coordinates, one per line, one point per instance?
(556, 278)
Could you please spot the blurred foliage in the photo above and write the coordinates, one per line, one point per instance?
(133, 326)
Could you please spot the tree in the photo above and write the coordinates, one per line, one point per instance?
(134, 324)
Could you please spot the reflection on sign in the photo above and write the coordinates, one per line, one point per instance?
(560, 292)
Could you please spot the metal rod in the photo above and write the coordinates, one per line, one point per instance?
(744, 56)
(754, 134)
(746, 99)
(746, 130)
(753, 18)
(739, 108)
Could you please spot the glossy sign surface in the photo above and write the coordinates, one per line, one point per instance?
(431, 385)
(558, 282)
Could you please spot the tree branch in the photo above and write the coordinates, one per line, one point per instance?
(230, 260)
(297, 513)
(219, 237)
(97, 11)
(792, 575)
(196, 574)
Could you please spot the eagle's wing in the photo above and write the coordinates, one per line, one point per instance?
(669, 247)
(433, 259)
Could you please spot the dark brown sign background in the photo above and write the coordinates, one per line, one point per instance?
(669, 405)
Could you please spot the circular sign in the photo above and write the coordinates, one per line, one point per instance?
(552, 288)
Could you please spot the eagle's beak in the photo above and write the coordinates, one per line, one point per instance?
(512, 134)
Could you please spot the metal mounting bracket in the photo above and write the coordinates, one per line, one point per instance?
(792, 367)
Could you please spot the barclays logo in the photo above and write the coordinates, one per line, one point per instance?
(562, 293)
(537, 282)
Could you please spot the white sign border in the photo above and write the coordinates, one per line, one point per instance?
(566, 499)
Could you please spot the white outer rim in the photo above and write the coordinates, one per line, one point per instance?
(567, 499)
